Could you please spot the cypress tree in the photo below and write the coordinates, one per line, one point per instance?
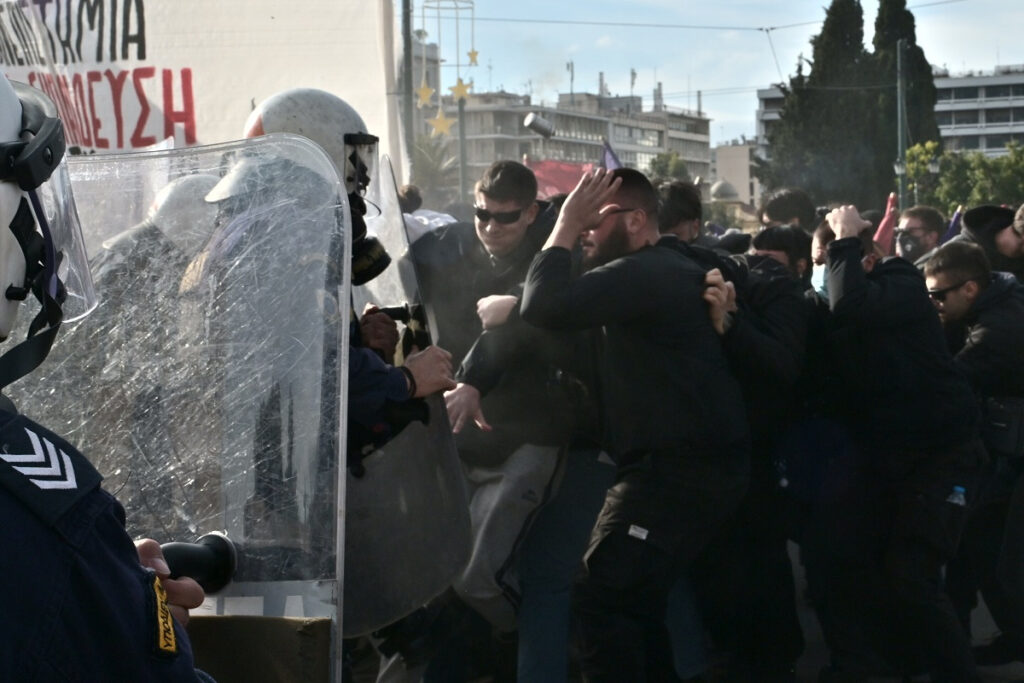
(823, 140)
(895, 22)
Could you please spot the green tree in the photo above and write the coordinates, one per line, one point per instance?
(922, 183)
(893, 23)
(971, 178)
(955, 181)
(822, 141)
(668, 166)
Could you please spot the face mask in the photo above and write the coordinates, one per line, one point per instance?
(909, 246)
(819, 279)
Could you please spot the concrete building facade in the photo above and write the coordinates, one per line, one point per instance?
(981, 111)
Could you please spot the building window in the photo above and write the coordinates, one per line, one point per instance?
(996, 141)
(994, 91)
(944, 118)
(964, 142)
(965, 93)
(943, 95)
(1018, 114)
(964, 118)
(997, 115)
(1017, 89)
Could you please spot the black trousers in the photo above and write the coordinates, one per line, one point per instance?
(991, 556)
(885, 534)
(744, 582)
(665, 507)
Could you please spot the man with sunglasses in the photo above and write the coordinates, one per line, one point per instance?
(510, 410)
(918, 234)
(673, 415)
(983, 311)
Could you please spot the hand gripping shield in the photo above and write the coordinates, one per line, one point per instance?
(207, 387)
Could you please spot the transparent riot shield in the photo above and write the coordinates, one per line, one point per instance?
(207, 386)
(410, 491)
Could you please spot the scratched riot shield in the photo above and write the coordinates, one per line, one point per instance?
(207, 386)
(407, 533)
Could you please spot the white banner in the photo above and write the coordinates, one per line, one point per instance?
(128, 74)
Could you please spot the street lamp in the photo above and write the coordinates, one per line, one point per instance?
(899, 167)
(933, 166)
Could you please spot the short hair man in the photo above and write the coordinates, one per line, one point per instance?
(918, 234)
(788, 245)
(985, 310)
(511, 417)
(789, 206)
(681, 210)
(673, 412)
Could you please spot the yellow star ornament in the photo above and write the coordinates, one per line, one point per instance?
(473, 54)
(460, 90)
(424, 92)
(441, 124)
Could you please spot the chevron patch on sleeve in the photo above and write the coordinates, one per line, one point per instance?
(42, 470)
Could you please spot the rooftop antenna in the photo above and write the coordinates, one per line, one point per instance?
(571, 68)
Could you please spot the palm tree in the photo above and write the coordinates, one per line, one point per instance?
(435, 171)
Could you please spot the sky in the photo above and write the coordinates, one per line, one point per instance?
(727, 61)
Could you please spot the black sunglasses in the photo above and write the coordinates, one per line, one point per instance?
(940, 294)
(503, 217)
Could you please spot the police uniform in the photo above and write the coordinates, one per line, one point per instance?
(76, 604)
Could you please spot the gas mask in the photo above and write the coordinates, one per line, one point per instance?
(910, 246)
(369, 258)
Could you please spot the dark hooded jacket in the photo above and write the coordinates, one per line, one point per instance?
(983, 233)
(991, 350)
(896, 384)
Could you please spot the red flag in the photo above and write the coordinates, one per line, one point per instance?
(887, 228)
(556, 177)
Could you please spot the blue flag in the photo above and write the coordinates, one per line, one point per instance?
(608, 158)
(954, 226)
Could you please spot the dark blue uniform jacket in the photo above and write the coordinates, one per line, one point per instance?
(75, 604)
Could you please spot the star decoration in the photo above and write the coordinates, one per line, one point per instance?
(460, 90)
(424, 92)
(472, 57)
(441, 124)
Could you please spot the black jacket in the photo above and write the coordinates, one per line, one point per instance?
(896, 384)
(991, 350)
(665, 380)
(516, 367)
(766, 342)
(766, 345)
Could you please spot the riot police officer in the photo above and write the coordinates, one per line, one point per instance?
(77, 601)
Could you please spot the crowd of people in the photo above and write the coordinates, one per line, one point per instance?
(849, 385)
(647, 416)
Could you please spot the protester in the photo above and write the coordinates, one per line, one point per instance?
(674, 417)
(900, 498)
(983, 313)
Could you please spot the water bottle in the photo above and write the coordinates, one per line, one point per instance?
(958, 497)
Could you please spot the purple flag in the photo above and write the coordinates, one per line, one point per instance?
(608, 158)
(954, 225)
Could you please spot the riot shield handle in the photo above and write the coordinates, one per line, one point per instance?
(211, 560)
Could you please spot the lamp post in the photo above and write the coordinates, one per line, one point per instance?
(900, 168)
(901, 122)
